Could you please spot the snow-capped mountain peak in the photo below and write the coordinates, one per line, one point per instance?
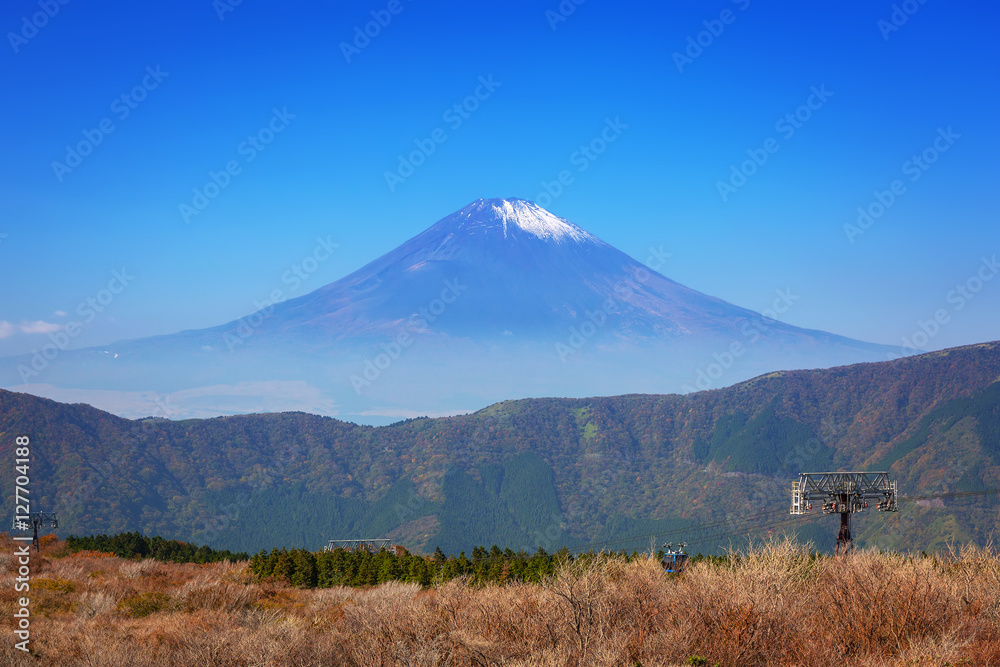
(512, 215)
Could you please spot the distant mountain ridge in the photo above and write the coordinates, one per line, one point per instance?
(500, 299)
(534, 472)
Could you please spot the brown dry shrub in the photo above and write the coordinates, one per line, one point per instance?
(581, 592)
(56, 584)
(143, 604)
(883, 603)
(136, 569)
(214, 593)
(389, 625)
(64, 568)
(95, 604)
(741, 611)
(51, 596)
(770, 605)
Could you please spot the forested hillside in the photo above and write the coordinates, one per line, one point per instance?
(530, 473)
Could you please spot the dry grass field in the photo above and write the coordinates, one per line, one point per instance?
(774, 605)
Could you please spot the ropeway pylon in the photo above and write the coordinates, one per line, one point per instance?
(844, 493)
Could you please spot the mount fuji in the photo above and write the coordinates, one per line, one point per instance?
(501, 299)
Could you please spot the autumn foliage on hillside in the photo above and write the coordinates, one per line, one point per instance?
(536, 472)
(775, 604)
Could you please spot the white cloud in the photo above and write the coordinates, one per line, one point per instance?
(60, 313)
(39, 327)
(8, 329)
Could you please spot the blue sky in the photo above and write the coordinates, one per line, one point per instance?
(197, 86)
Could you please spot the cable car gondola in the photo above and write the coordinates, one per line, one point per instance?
(674, 560)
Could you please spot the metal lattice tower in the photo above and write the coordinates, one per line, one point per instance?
(371, 546)
(33, 521)
(845, 493)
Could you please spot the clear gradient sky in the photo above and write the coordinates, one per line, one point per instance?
(889, 91)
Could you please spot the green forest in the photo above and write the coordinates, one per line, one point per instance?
(339, 567)
(137, 545)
